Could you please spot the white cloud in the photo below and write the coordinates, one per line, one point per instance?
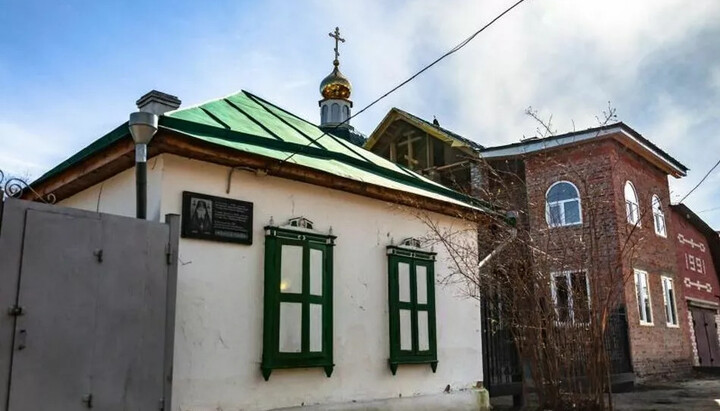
(564, 57)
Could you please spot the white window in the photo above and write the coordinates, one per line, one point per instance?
(562, 205)
(642, 292)
(571, 296)
(658, 217)
(631, 204)
(669, 298)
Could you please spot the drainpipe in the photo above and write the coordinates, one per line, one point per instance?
(143, 126)
(511, 218)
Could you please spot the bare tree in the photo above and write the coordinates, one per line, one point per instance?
(555, 290)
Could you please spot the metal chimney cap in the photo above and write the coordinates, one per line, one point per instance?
(143, 126)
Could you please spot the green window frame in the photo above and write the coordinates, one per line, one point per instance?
(413, 331)
(298, 312)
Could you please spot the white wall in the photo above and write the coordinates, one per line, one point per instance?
(220, 299)
(116, 195)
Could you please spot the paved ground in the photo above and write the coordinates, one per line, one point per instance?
(697, 394)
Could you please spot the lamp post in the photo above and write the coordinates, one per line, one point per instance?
(143, 126)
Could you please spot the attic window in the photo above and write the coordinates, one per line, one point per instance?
(301, 222)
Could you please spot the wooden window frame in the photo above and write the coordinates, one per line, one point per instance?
(272, 358)
(414, 258)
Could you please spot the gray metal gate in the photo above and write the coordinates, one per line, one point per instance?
(91, 305)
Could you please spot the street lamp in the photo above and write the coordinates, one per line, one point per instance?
(143, 126)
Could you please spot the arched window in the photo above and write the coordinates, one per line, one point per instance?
(562, 205)
(335, 113)
(658, 217)
(323, 114)
(631, 204)
(346, 112)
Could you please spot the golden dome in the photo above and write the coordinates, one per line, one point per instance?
(335, 85)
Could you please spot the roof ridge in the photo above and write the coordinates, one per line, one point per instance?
(179, 109)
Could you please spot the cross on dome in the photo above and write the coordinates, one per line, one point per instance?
(336, 36)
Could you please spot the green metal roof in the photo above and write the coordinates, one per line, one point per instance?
(250, 124)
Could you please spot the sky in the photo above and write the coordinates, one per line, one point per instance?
(70, 71)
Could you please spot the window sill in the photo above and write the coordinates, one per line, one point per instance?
(565, 225)
(394, 363)
(670, 325)
(266, 370)
(647, 324)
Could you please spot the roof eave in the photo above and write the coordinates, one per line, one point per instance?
(620, 131)
(117, 157)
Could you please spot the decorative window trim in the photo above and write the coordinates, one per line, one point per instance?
(658, 214)
(637, 275)
(561, 203)
(297, 233)
(667, 281)
(567, 277)
(632, 208)
(409, 254)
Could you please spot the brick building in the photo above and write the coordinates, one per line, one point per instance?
(609, 181)
(697, 248)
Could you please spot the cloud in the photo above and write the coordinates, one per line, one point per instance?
(657, 61)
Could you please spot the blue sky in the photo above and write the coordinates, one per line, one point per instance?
(71, 70)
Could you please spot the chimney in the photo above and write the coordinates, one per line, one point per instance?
(157, 102)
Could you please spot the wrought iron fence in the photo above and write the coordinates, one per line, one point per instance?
(17, 187)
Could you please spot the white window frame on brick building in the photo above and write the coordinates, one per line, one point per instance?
(568, 279)
(658, 217)
(644, 299)
(671, 314)
(632, 206)
(556, 206)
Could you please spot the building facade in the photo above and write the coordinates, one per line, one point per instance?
(698, 249)
(603, 188)
(303, 280)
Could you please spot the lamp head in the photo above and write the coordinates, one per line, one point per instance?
(143, 126)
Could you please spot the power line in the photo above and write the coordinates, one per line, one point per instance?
(411, 78)
(708, 210)
(701, 181)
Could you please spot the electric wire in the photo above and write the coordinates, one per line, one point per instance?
(701, 181)
(411, 78)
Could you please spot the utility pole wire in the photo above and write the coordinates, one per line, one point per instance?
(411, 78)
(701, 181)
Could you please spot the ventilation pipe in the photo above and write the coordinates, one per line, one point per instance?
(143, 126)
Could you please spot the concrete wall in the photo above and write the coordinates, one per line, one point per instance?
(220, 304)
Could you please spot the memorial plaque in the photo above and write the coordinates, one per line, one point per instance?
(215, 218)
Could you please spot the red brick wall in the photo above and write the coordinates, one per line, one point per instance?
(600, 169)
(658, 350)
(692, 253)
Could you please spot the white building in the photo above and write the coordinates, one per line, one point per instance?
(315, 294)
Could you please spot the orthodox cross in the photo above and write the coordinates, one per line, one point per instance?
(336, 36)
